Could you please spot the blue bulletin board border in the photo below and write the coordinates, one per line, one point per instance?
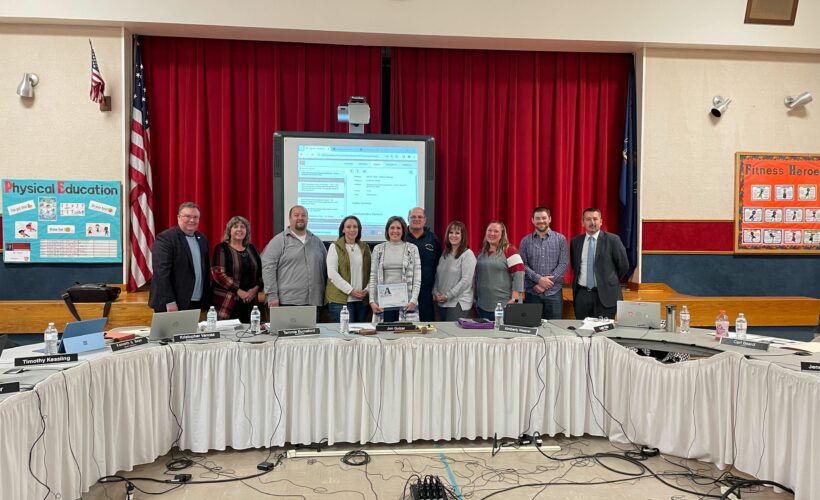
(57, 221)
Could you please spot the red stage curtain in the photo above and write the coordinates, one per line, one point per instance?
(515, 130)
(215, 105)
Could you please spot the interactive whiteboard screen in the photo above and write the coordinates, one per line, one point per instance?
(335, 175)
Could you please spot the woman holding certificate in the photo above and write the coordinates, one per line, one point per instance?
(499, 271)
(395, 273)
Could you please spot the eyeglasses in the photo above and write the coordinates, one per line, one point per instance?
(189, 217)
(417, 217)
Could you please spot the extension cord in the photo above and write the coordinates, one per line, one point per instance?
(417, 451)
(735, 494)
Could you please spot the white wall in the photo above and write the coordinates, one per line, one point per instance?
(687, 162)
(530, 24)
(63, 133)
(60, 133)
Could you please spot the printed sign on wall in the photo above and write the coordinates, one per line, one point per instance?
(61, 221)
(776, 205)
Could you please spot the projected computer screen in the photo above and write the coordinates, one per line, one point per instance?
(335, 175)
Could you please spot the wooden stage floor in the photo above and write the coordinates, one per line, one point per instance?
(131, 309)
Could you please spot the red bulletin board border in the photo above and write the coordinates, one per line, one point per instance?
(777, 207)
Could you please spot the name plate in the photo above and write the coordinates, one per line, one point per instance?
(749, 344)
(9, 387)
(392, 327)
(518, 329)
(126, 344)
(197, 336)
(809, 366)
(45, 360)
(297, 332)
(603, 328)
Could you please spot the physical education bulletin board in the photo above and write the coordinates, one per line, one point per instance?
(776, 204)
(61, 221)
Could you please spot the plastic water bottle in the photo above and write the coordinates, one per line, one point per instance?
(50, 339)
(740, 326)
(499, 316)
(721, 325)
(377, 318)
(256, 320)
(685, 319)
(344, 321)
(211, 320)
(403, 314)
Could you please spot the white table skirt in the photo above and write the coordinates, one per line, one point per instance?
(724, 409)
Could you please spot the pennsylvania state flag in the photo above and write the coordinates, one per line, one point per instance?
(628, 192)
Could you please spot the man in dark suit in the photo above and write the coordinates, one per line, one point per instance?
(182, 269)
(596, 286)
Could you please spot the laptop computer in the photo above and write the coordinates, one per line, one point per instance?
(83, 336)
(639, 314)
(164, 325)
(528, 315)
(287, 317)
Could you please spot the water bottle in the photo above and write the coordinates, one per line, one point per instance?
(403, 314)
(685, 318)
(721, 325)
(740, 327)
(256, 319)
(499, 316)
(344, 321)
(50, 339)
(377, 318)
(211, 320)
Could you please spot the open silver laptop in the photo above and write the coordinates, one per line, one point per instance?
(286, 317)
(164, 325)
(639, 314)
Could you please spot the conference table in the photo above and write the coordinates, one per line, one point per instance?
(111, 411)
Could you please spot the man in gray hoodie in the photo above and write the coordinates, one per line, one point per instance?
(293, 264)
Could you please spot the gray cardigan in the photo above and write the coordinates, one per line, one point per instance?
(411, 270)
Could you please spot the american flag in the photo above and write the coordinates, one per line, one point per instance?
(97, 82)
(142, 213)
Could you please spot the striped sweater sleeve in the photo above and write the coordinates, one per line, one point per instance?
(516, 267)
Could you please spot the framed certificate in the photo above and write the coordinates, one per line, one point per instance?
(392, 295)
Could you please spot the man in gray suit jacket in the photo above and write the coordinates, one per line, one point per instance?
(596, 287)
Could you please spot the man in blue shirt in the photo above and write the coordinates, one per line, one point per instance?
(429, 252)
(546, 259)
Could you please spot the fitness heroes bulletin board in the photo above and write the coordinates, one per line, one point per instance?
(61, 221)
(776, 204)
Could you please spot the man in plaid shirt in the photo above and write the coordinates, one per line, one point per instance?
(546, 258)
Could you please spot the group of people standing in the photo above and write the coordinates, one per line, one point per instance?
(295, 268)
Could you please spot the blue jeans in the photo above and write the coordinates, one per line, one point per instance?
(490, 315)
(357, 310)
(553, 304)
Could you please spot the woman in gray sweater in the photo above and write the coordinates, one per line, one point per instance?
(453, 290)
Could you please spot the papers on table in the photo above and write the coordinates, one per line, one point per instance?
(223, 324)
(592, 323)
